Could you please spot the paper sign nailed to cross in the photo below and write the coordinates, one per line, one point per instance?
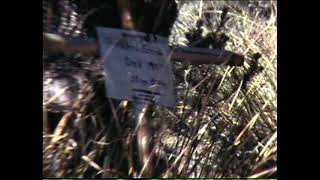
(136, 69)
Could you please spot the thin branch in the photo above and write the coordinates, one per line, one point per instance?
(57, 43)
(265, 172)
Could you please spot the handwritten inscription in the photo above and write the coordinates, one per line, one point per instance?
(146, 82)
(138, 64)
(129, 62)
(136, 69)
(154, 66)
(138, 43)
(141, 95)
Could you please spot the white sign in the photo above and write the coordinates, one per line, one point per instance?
(136, 69)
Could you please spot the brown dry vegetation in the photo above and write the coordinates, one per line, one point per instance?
(224, 124)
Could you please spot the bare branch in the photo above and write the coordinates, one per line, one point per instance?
(89, 46)
(56, 43)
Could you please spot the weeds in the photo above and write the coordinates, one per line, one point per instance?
(225, 121)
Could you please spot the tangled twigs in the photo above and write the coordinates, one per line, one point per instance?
(61, 128)
(265, 172)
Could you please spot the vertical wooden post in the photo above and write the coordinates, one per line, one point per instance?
(145, 142)
(127, 19)
(142, 112)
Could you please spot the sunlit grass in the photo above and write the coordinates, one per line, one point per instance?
(224, 126)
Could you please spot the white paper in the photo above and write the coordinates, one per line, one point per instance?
(135, 69)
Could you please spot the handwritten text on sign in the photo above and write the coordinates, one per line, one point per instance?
(136, 69)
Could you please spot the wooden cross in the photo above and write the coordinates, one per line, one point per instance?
(89, 46)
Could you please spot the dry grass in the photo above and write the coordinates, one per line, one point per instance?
(241, 109)
(224, 125)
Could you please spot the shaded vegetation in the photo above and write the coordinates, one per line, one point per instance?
(225, 121)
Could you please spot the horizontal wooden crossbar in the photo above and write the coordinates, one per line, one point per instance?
(56, 43)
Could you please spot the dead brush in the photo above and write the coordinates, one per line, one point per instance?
(234, 108)
(225, 122)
